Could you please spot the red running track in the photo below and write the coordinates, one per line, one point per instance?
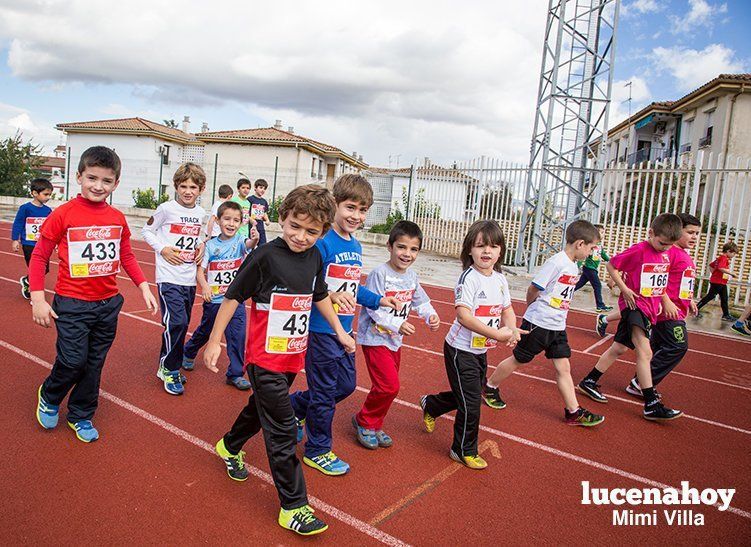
(152, 477)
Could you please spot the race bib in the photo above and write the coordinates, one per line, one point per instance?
(491, 316)
(688, 279)
(33, 225)
(343, 278)
(246, 215)
(287, 329)
(221, 273)
(94, 251)
(654, 279)
(725, 276)
(596, 256)
(563, 291)
(257, 210)
(186, 238)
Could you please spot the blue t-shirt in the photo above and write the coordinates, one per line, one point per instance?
(221, 261)
(22, 229)
(342, 261)
(258, 208)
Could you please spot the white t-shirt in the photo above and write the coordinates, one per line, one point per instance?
(173, 225)
(215, 230)
(556, 279)
(486, 296)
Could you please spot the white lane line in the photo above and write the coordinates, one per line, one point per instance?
(338, 514)
(598, 343)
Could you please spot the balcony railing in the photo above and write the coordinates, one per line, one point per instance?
(705, 141)
(649, 154)
(685, 148)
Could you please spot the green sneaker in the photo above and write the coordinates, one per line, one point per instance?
(492, 397)
(583, 417)
(235, 464)
(301, 521)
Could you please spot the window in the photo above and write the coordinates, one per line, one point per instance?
(313, 168)
(687, 127)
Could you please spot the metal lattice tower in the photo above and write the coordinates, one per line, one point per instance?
(571, 116)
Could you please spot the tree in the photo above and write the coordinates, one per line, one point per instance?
(18, 165)
(171, 123)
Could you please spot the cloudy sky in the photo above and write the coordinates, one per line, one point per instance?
(436, 78)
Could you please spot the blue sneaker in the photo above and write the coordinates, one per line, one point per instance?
(188, 364)
(328, 464)
(384, 440)
(366, 437)
(47, 414)
(161, 373)
(239, 382)
(85, 430)
(172, 383)
(300, 429)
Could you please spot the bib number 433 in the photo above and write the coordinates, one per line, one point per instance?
(287, 329)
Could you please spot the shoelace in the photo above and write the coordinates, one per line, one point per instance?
(83, 425)
(239, 459)
(305, 515)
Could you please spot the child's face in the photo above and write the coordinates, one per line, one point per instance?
(43, 196)
(300, 232)
(484, 254)
(244, 190)
(187, 193)
(601, 231)
(582, 249)
(731, 254)
(350, 215)
(230, 222)
(690, 237)
(260, 191)
(97, 183)
(403, 253)
(659, 243)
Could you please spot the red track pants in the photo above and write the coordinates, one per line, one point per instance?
(383, 367)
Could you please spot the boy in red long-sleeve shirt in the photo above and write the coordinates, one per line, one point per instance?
(93, 241)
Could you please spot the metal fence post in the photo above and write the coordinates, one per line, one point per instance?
(216, 165)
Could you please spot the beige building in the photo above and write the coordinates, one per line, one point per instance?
(715, 118)
(151, 152)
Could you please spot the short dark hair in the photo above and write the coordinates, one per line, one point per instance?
(582, 230)
(355, 187)
(730, 247)
(40, 184)
(100, 156)
(600, 226)
(242, 182)
(229, 205)
(405, 228)
(261, 182)
(310, 200)
(491, 234)
(688, 220)
(225, 191)
(668, 226)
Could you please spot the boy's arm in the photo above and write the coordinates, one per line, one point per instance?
(382, 317)
(604, 255)
(19, 222)
(151, 227)
(214, 345)
(133, 269)
(210, 224)
(628, 295)
(533, 291)
(422, 304)
(41, 311)
(326, 309)
(367, 298)
(201, 280)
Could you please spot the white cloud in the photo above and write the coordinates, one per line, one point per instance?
(619, 107)
(692, 68)
(700, 14)
(417, 78)
(14, 119)
(640, 7)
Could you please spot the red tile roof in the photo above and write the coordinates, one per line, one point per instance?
(129, 126)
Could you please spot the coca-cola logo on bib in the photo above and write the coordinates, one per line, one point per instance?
(188, 229)
(223, 265)
(661, 268)
(302, 302)
(101, 268)
(99, 233)
(298, 344)
(403, 296)
(496, 310)
(352, 273)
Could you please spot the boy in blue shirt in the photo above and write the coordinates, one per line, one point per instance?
(28, 222)
(222, 259)
(259, 209)
(329, 368)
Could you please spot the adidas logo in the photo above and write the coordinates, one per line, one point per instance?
(481, 295)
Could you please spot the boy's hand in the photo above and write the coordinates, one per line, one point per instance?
(344, 339)
(511, 335)
(434, 322)
(610, 283)
(670, 310)
(693, 308)
(170, 254)
(148, 297)
(344, 302)
(391, 302)
(630, 297)
(42, 313)
(206, 293)
(211, 355)
(200, 250)
(16, 246)
(407, 329)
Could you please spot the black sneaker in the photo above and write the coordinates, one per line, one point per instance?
(729, 318)
(301, 521)
(633, 389)
(601, 327)
(492, 397)
(25, 291)
(235, 463)
(658, 412)
(591, 389)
